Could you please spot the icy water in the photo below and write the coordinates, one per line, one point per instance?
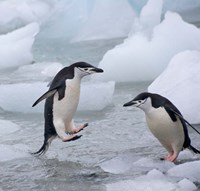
(116, 146)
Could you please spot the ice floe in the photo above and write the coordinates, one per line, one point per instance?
(20, 97)
(179, 82)
(188, 170)
(7, 127)
(154, 180)
(15, 47)
(11, 152)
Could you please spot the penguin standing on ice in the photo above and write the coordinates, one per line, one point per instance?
(62, 100)
(165, 122)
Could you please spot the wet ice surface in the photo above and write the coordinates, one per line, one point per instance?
(116, 152)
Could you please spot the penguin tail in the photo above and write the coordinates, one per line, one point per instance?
(196, 151)
(44, 148)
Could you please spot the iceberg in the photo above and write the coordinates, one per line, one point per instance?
(14, 13)
(149, 47)
(179, 82)
(15, 47)
(20, 97)
(102, 24)
(86, 18)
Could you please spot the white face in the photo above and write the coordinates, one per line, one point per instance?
(145, 104)
(81, 72)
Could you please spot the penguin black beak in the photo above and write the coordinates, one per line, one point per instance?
(97, 70)
(132, 102)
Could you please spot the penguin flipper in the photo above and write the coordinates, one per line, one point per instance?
(45, 95)
(60, 88)
(182, 118)
(194, 149)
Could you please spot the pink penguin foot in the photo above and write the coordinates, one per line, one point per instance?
(169, 157)
(71, 138)
(80, 128)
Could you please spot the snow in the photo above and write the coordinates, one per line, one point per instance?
(20, 97)
(15, 47)
(179, 82)
(7, 127)
(147, 51)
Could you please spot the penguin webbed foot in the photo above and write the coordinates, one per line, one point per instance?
(78, 129)
(170, 158)
(71, 138)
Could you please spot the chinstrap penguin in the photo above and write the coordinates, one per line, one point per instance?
(61, 103)
(165, 122)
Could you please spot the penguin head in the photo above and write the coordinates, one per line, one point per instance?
(83, 69)
(142, 101)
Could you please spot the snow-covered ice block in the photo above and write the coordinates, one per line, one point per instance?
(128, 162)
(15, 47)
(153, 181)
(188, 170)
(7, 127)
(186, 185)
(20, 97)
(151, 163)
(119, 164)
(179, 82)
(187, 155)
(144, 55)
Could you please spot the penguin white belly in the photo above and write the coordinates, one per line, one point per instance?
(65, 108)
(169, 133)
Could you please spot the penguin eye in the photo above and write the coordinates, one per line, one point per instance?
(83, 69)
(142, 101)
